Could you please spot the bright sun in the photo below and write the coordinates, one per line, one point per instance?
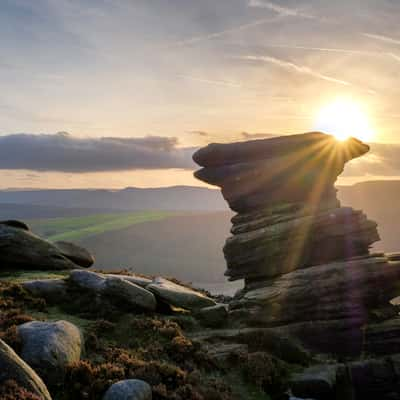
(344, 118)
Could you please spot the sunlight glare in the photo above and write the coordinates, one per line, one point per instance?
(344, 118)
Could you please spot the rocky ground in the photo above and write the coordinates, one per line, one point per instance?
(73, 335)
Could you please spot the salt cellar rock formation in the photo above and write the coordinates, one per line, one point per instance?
(303, 257)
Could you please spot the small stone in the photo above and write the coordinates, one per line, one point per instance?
(130, 389)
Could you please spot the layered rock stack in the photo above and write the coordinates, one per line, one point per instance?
(302, 256)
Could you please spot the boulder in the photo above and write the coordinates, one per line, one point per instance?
(88, 280)
(179, 296)
(49, 347)
(12, 367)
(130, 389)
(15, 224)
(214, 315)
(133, 278)
(49, 289)
(77, 254)
(317, 382)
(129, 293)
(375, 378)
(21, 249)
(342, 290)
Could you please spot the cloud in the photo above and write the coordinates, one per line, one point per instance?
(280, 10)
(216, 35)
(382, 160)
(217, 82)
(383, 38)
(199, 133)
(63, 152)
(296, 68)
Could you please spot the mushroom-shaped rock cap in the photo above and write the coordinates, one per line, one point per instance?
(312, 143)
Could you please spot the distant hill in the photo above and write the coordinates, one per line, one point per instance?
(30, 211)
(181, 198)
(380, 201)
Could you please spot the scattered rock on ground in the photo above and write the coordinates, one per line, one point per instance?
(50, 346)
(13, 368)
(87, 280)
(131, 294)
(77, 254)
(179, 296)
(133, 278)
(49, 289)
(130, 389)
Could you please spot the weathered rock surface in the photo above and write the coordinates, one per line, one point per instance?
(21, 249)
(49, 289)
(130, 389)
(77, 254)
(129, 293)
(15, 224)
(341, 290)
(214, 315)
(179, 296)
(318, 382)
(305, 259)
(88, 280)
(115, 288)
(50, 346)
(13, 367)
(133, 278)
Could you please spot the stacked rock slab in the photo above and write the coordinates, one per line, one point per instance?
(304, 259)
(288, 213)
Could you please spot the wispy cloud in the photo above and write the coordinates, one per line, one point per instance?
(383, 38)
(221, 82)
(216, 35)
(290, 66)
(280, 10)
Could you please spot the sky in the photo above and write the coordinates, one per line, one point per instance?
(116, 93)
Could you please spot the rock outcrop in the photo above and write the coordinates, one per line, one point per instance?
(305, 259)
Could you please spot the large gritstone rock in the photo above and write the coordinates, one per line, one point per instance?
(21, 249)
(288, 214)
(304, 259)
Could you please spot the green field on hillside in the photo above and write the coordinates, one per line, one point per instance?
(76, 228)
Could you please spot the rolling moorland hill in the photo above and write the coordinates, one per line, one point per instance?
(185, 243)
